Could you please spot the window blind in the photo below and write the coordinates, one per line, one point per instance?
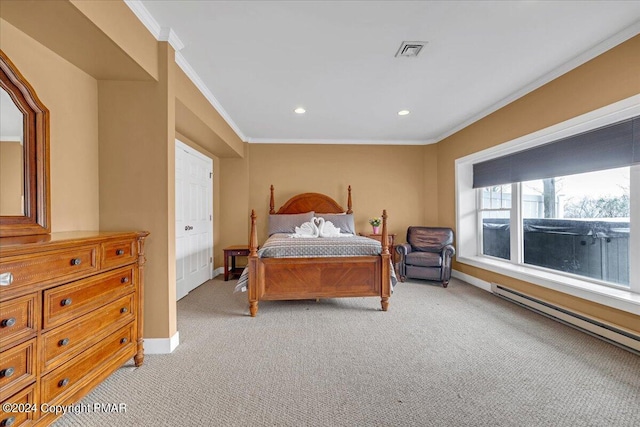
(612, 146)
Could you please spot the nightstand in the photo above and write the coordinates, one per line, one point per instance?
(232, 252)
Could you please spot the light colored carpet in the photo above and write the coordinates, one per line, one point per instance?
(439, 357)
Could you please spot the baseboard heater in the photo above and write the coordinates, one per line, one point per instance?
(611, 334)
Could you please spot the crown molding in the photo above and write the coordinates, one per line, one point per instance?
(575, 62)
(197, 81)
(144, 16)
(168, 35)
(340, 141)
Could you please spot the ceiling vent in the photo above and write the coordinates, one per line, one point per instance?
(410, 49)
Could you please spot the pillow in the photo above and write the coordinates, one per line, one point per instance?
(343, 221)
(286, 223)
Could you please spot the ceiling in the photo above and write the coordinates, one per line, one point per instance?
(256, 61)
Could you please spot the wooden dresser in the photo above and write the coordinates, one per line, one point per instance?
(70, 314)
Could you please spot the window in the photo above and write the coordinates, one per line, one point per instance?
(576, 224)
(495, 215)
(571, 228)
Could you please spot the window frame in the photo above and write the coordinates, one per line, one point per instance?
(468, 222)
(516, 237)
(480, 210)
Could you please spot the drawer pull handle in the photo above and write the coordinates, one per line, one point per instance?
(63, 382)
(6, 279)
(120, 252)
(7, 323)
(6, 373)
(65, 302)
(123, 341)
(76, 261)
(124, 280)
(123, 310)
(8, 422)
(63, 342)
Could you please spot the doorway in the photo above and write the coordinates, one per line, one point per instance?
(194, 219)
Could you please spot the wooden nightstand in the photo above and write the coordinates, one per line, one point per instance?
(392, 239)
(232, 252)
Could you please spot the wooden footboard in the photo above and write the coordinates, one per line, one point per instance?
(311, 278)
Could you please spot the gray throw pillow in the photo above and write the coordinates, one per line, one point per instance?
(343, 221)
(286, 223)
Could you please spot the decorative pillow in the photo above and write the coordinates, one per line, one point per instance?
(287, 223)
(343, 221)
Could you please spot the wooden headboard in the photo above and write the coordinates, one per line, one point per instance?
(307, 202)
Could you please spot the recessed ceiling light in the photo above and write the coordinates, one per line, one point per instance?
(300, 110)
(403, 112)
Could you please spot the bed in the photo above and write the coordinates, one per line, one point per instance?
(293, 269)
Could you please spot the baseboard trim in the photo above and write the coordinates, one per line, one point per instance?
(161, 345)
(479, 283)
(605, 331)
(218, 271)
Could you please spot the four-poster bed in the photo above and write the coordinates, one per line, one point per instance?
(297, 276)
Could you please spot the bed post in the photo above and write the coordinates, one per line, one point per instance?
(253, 239)
(385, 234)
(349, 210)
(253, 265)
(271, 203)
(386, 273)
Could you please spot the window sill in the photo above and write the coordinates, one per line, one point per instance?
(620, 299)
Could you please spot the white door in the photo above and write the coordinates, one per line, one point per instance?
(194, 210)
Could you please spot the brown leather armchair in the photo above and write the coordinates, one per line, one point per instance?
(427, 254)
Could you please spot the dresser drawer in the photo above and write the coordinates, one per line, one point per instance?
(18, 319)
(119, 253)
(241, 252)
(68, 377)
(83, 296)
(17, 367)
(66, 341)
(49, 266)
(19, 409)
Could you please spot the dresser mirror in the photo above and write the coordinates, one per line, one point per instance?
(24, 156)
